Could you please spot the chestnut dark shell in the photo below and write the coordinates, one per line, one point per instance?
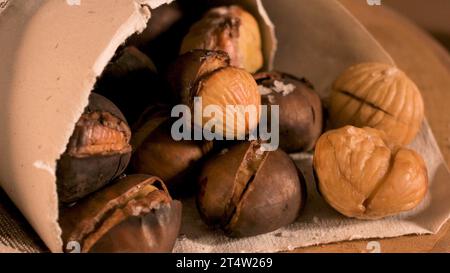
(129, 236)
(184, 74)
(176, 162)
(78, 177)
(300, 111)
(131, 82)
(151, 223)
(81, 174)
(270, 195)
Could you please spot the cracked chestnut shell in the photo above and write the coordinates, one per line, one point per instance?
(247, 191)
(207, 75)
(300, 109)
(155, 152)
(361, 175)
(135, 214)
(98, 150)
(380, 96)
(230, 29)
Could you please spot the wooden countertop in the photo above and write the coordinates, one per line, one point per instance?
(428, 64)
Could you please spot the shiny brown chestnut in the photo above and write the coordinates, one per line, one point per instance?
(162, 20)
(98, 150)
(135, 214)
(300, 109)
(247, 191)
(156, 152)
(131, 82)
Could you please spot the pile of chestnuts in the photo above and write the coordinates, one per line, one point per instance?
(122, 166)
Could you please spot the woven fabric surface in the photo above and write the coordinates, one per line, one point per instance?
(16, 235)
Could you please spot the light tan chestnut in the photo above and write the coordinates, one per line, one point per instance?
(230, 29)
(230, 91)
(361, 175)
(379, 96)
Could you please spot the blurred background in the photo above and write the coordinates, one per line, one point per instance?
(431, 15)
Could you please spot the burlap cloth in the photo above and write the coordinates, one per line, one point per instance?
(16, 235)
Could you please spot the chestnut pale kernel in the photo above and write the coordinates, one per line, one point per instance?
(98, 151)
(380, 96)
(190, 67)
(231, 87)
(300, 109)
(247, 191)
(362, 175)
(230, 29)
(206, 75)
(135, 214)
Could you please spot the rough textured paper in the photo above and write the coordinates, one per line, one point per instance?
(51, 53)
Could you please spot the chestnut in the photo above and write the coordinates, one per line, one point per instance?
(191, 66)
(134, 214)
(131, 82)
(363, 175)
(161, 21)
(98, 150)
(380, 96)
(300, 109)
(230, 29)
(206, 75)
(247, 191)
(156, 152)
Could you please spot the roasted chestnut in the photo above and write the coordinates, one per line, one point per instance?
(362, 175)
(300, 109)
(230, 29)
(98, 150)
(135, 214)
(380, 96)
(157, 153)
(247, 191)
(132, 83)
(161, 21)
(207, 75)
